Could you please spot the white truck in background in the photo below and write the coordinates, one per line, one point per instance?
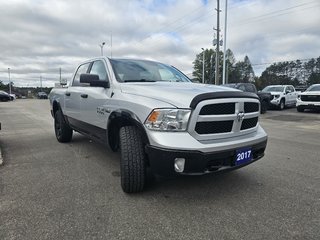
(282, 96)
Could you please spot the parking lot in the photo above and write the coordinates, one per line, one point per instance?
(50, 190)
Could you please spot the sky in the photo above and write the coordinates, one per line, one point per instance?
(39, 37)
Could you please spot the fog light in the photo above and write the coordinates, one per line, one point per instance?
(179, 164)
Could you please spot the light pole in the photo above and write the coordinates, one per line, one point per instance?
(111, 46)
(203, 53)
(218, 43)
(40, 83)
(101, 47)
(9, 81)
(225, 44)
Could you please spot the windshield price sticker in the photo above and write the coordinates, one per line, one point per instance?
(243, 156)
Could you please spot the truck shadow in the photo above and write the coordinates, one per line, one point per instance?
(213, 185)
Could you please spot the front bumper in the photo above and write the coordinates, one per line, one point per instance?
(275, 102)
(308, 105)
(197, 163)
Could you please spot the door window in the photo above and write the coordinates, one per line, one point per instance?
(99, 69)
(81, 69)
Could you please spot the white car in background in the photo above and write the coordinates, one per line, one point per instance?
(310, 99)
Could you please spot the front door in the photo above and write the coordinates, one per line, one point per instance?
(94, 101)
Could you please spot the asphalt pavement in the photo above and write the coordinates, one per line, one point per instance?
(50, 190)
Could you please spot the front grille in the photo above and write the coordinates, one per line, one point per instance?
(218, 109)
(214, 127)
(224, 118)
(310, 98)
(249, 123)
(250, 107)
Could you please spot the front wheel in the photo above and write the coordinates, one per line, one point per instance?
(133, 160)
(282, 104)
(300, 109)
(61, 127)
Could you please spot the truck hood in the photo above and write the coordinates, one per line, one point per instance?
(311, 93)
(276, 93)
(177, 94)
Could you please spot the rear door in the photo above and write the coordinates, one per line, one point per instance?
(288, 95)
(293, 95)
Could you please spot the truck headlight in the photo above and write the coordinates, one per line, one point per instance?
(174, 120)
(276, 96)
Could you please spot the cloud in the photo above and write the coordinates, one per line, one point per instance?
(38, 37)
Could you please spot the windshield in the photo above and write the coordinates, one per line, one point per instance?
(313, 88)
(273, 89)
(231, 85)
(145, 71)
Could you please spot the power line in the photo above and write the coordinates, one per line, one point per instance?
(270, 14)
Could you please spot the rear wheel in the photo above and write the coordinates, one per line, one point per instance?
(133, 160)
(61, 127)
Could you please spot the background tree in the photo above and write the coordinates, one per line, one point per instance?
(288, 72)
(1, 85)
(293, 73)
(209, 69)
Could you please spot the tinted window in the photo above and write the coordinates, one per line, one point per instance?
(242, 88)
(314, 88)
(250, 88)
(81, 69)
(99, 69)
(289, 89)
(273, 89)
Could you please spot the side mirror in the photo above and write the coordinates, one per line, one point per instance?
(93, 80)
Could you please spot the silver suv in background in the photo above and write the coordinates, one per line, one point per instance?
(158, 119)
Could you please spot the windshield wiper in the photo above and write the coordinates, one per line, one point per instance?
(140, 80)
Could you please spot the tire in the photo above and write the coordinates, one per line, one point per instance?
(300, 109)
(282, 104)
(61, 128)
(264, 107)
(133, 160)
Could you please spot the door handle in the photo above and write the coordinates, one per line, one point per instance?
(84, 95)
(67, 94)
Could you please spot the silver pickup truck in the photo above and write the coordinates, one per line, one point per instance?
(158, 119)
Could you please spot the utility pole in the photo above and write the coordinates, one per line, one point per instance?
(225, 43)
(203, 57)
(111, 45)
(40, 83)
(9, 81)
(60, 74)
(218, 43)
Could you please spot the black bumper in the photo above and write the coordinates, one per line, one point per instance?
(310, 106)
(197, 163)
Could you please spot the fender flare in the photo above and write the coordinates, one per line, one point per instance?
(118, 119)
